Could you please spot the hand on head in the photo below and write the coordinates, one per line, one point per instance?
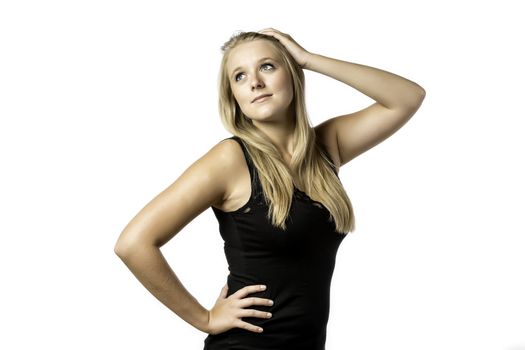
(297, 51)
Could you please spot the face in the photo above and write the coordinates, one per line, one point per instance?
(254, 69)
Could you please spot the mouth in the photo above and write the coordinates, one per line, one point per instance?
(261, 97)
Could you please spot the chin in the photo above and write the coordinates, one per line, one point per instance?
(259, 116)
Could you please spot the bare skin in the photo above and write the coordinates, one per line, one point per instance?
(220, 178)
(212, 180)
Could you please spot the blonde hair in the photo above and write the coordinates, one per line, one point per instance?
(314, 171)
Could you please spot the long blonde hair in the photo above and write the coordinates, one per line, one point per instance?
(311, 166)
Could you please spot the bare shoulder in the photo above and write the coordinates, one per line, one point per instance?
(206, 182)
(229, 153)
(221, 163)
(235, 176)
(326, 135)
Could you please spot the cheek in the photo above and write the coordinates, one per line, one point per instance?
(287, 87)
(241, 101)
(239, 97)
(285, 84)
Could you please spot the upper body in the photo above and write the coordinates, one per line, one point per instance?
(296, 264)
(234, 174)
(221, 180)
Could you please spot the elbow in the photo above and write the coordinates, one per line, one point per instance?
(128, 246)
(417, 99)
(124, 248)
(422, 93)
(411, 99)
(127, 243)
(121, 249)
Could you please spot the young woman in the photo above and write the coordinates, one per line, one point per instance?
(274, 189)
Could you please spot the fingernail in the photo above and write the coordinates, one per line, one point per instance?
(263, 287)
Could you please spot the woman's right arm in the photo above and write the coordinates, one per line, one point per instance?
(203, 184)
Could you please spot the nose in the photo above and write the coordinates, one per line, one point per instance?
(257, 82)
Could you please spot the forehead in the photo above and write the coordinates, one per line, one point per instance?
(249, 53)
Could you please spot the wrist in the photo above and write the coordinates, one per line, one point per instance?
(203, 323)
(307, 61)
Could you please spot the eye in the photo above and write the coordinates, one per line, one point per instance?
(271, 67)
(268, 65)
(237, 76)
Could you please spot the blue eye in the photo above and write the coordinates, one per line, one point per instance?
(268, 64)
(237, 76)
(263, 65)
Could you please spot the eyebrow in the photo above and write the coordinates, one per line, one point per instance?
(262, 59)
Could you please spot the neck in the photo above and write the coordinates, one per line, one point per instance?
(280, 134)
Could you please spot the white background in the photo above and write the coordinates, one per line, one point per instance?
(104, 104)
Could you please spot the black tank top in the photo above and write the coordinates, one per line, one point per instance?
(296, 265)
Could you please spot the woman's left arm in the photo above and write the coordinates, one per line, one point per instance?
(397, 100)
(388, 89)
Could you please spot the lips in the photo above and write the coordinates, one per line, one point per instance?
(260, 96)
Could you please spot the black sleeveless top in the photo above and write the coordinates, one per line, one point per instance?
(296, 265)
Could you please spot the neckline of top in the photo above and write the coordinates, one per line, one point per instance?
(255, 174)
